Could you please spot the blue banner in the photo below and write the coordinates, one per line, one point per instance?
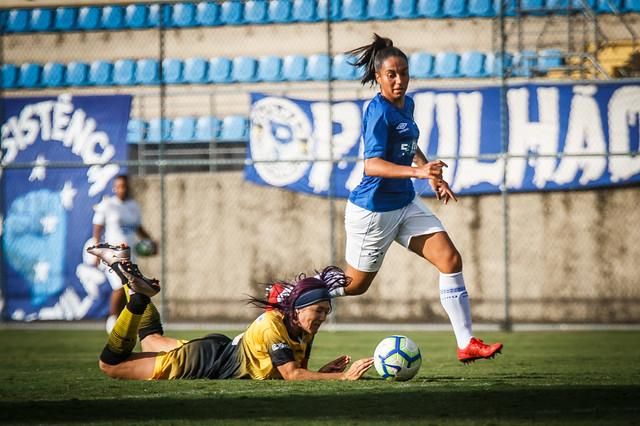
(559, 136)
(47, 211)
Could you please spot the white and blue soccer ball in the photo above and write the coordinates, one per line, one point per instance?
(397, 358)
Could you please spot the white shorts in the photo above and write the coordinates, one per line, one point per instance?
(369, 234)
(112, 277)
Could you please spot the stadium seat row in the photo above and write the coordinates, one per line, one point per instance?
(246, 69)
(238, 12)
(233, 128)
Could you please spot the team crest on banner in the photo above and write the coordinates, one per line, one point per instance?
(47, 210)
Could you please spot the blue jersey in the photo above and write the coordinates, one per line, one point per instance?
(391, 134)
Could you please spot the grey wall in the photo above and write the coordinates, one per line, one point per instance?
(573, 255)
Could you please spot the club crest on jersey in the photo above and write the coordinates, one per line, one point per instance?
(402, 127)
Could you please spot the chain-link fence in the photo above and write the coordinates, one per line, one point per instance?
(194, 71)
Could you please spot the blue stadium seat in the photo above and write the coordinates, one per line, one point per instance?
(550, 58)
(18, 21)
(136, 15)
(318, 67)
(632, 6)
(472, 64)
(234, 129)
(556, 6)
(270, 68)
(219, 70)
(304, 11)
(421, 65)
(481, 8)
(429, 8)
(184, 15)
(524, 63)
(195, 71)
(29, 76)
(124, 72)
(455, 8)
(183, 129)
(172, 71)
(100, 73)
(65, 18)
(279, 11)
(208, 14)
(136, 131)
(244, 69)
(335, 13)
(112, 17)
(9, 76)
(341, 68)
(255, 11)
(153, 18)
(532, 7)
(404, 9)
(447, 65)
(509, 7)
(159, 130)
(89, 18)
(495, 64)
(41, 20)
(354, 10)
(147, 72)
(53, 74)
(609, 6)
(294, 68)
(207, 129)
(77, 73)
(4, 15)
(379, 9)
(231, 12)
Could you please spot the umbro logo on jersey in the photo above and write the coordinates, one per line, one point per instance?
(402, 127)
(279, 346)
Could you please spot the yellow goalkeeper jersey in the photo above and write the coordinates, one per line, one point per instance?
(266, 344)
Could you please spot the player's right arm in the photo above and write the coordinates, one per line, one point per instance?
(291, 371)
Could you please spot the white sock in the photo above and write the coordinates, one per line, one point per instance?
(337, 292)
(455, 300)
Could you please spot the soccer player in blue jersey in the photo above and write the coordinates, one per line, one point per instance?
(384, 207)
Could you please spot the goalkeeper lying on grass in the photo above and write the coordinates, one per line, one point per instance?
(276, 345)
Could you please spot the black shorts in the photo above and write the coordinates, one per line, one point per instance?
(209, 357)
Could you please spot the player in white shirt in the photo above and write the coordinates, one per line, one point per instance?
(119, 218)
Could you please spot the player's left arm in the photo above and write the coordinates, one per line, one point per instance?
(291, 371)
(337, 365)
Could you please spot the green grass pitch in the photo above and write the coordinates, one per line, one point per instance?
(550, 378)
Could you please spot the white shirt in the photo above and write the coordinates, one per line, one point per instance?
(121, 219)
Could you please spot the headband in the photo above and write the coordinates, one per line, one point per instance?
(312, 297)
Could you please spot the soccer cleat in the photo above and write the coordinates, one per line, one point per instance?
(110, 254)
(477, 349)
(137, 282)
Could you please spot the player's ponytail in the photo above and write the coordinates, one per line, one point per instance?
(371, 56)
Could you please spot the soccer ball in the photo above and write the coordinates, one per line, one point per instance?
(397, 358)
(145, 247)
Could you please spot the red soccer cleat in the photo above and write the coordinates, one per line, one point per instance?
(477, 349)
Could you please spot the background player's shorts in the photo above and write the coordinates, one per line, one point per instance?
(112, 277)
(211, 357)
(369, 234)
